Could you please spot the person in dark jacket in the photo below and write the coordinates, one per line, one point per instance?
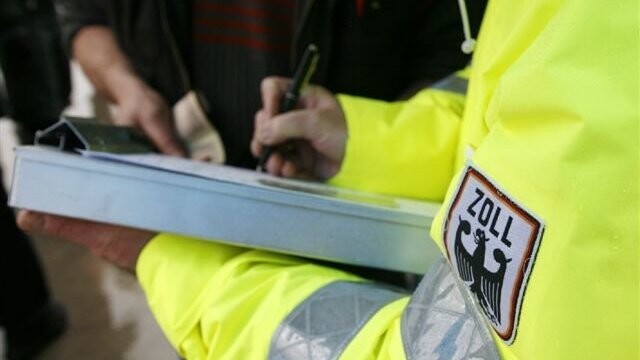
(34, 92)
(145, 55)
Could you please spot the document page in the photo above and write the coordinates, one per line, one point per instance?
(258, 179)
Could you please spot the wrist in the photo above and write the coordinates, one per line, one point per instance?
(98, 53)
(124, 248)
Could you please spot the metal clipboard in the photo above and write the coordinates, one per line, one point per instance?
(74, 133)
(278, 215)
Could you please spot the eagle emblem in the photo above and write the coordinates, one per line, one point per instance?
(484, 284)
(492, 241)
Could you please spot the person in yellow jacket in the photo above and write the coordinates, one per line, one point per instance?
(536, 164)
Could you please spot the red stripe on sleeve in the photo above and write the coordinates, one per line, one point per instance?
(242, 41)
(236, 24)
(242, 10)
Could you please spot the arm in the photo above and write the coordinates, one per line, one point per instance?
(211, 300)
(355, 141)
(414, 140)
(214, 300)
(97, 51)
(218, 301)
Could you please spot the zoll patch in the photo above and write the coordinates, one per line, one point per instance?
(492, 242)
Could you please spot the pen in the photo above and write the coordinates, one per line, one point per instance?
(303, 73)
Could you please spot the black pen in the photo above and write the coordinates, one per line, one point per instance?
(304, 71)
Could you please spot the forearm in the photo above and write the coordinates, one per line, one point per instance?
(139, 105)
(415, 141)
(107, 67)
(219, 301)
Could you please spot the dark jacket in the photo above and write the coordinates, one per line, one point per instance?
(389, 48)
(156, 44)
(36, 73)
(379, 50)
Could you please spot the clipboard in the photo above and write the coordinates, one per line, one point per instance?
(228, 205)
(74, 133)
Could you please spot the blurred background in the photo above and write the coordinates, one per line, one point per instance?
(108, 315)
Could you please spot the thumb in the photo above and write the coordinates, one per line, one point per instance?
(30, 221)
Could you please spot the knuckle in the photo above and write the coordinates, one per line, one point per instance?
(266, 83)
(259, 118)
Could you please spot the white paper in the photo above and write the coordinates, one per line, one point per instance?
(258, 179)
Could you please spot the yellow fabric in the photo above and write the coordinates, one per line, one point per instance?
(393, 135)
(221, 302)
(552, 116)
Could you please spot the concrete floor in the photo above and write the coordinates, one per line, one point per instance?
(109, 317)
(108, 313)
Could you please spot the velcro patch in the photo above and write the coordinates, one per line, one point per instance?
(492, 243)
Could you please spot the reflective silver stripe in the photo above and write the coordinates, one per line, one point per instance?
(452, 83)
(323, 325)
(442, 322)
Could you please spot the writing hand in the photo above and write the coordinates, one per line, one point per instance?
(315, 134)
(116, 244)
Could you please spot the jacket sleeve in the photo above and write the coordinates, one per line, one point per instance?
(221, 302)
(217, 301)
(76, 14)
(414, 140)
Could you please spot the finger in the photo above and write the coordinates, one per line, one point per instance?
(271, 90)
(124, 118)
(62, 227)
(156, 125)
(298, 124)
(297, 158)
(256, 146)
(119, 245)
(294, 169)
(163, 135)
(55, 226)
(289, 169)
(30, 221)
(274, 164)
(307, 157)
(305, 161)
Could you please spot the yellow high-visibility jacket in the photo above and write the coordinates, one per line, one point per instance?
(540, 156)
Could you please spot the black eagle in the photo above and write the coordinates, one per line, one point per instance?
(485, 285)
